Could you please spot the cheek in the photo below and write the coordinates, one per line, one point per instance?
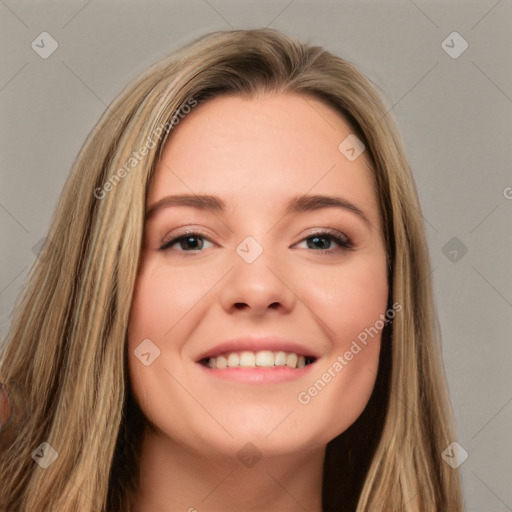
(162, 298)
(350, 298)
(149, 320)
(350, 302)
(161, 301)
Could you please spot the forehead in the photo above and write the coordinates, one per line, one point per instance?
(260, 152)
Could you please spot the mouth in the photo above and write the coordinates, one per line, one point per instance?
(262, 359)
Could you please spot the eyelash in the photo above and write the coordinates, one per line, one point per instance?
(344, 243)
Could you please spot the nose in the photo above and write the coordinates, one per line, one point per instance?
(258, 286)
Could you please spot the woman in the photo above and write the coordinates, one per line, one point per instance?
(184, 344)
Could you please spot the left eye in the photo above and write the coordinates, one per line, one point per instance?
(190, 242)
(323, 238)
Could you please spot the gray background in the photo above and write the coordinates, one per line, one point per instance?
(454, 114)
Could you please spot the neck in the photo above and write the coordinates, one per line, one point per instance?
(175, 479)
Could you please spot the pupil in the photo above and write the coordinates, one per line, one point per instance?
(316, 238)
(188, 239)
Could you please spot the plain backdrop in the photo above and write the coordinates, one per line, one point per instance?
(454, 111)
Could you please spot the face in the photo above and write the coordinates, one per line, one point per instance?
(257, 277)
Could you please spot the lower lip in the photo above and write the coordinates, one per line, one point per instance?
(258, 375)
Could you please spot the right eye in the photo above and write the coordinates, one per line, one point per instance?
(187, 242)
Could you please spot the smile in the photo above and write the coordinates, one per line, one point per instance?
(260, 359)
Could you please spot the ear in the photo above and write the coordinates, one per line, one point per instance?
(6, 417)
(5, 406)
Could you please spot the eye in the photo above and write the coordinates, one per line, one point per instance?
(188, 242)
(193, 241)
(324, 239)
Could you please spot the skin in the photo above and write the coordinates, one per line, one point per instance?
(254, 154)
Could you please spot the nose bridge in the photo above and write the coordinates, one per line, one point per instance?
(258, 278)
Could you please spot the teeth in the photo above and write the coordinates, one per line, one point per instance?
(280, 359)
(264, 359)
(233, 360)
(291, 360)
(247, 360)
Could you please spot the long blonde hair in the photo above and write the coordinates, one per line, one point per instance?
(64, 360)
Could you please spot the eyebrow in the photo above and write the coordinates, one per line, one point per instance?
(297, 204)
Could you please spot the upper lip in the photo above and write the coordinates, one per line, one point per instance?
(256, 344)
